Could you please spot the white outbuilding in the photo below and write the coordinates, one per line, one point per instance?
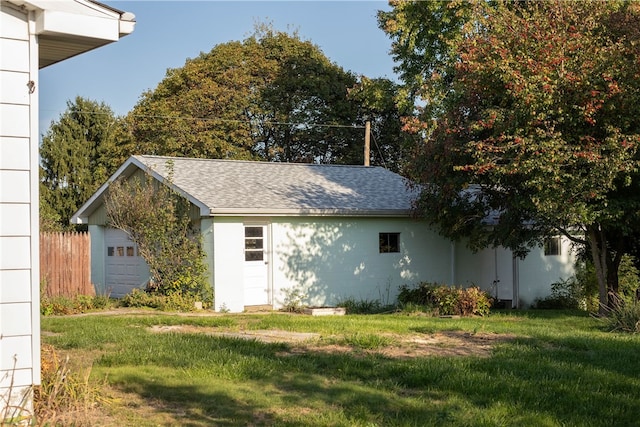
(328, 232)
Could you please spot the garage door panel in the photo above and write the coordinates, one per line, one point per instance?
(125, 270)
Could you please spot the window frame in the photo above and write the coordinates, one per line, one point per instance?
(386, 244)
(553, 246)
(254, 245)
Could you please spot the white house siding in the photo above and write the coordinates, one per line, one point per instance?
(490, 269)
(228, 254)
(19, 283)
(329, 259)
(206, 231)
(538, 271)
(98, 256)
(533, 275)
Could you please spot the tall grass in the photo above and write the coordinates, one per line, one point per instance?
(66, 396)
(624, 317)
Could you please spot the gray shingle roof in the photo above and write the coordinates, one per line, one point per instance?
(244, 187)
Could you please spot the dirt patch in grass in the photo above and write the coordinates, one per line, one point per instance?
(267, 335)
(448, 343)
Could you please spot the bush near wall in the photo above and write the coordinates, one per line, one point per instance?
(446, 300)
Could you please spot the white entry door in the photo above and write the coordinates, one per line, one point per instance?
(256, 266)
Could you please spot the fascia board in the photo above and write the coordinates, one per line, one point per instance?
(81, 216)
(82, 18)
(77, 7)
(51, 22)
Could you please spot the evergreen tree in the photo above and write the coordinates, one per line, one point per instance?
(78, 153)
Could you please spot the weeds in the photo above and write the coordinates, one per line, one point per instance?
(365, 306)
(59, 305)
(65, 397)
(625, 317)
(294, 299)
(16, 409)
(368, 341)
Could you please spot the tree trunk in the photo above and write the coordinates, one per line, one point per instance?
(606, 266)
(599, 256)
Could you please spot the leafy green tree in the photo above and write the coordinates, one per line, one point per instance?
(77, 156)
(157, 219)
(306, 89)
(423, 35)
(268, 97)
(377, 101)
(536, 128)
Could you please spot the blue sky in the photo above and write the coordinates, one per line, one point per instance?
(169, 32)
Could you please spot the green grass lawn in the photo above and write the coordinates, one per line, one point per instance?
(541, 369)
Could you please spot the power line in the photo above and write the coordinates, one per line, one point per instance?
(375, 141)
(220, 119)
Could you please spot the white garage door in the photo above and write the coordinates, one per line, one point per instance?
(124, 268)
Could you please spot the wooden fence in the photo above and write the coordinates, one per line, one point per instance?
(65, 264)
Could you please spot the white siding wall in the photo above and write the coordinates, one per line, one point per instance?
(228, 253)
(538, 271)
(19, 283)
(490, 269)
(98, 256)
(206, 229)
(330, 259)
(534, 274)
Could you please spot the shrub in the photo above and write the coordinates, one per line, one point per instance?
(173, 302)
(158, 220)
(446, 300)
(565, 294)
(365, 306)
(628, 281)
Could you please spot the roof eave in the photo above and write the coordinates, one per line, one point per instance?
(69, 29)
(81, 216)
(392, 213)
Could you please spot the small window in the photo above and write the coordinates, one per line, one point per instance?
(389, 242)
(120, 250)
(552, 246)
(130, 251)
(110, 250)
(253, 244)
